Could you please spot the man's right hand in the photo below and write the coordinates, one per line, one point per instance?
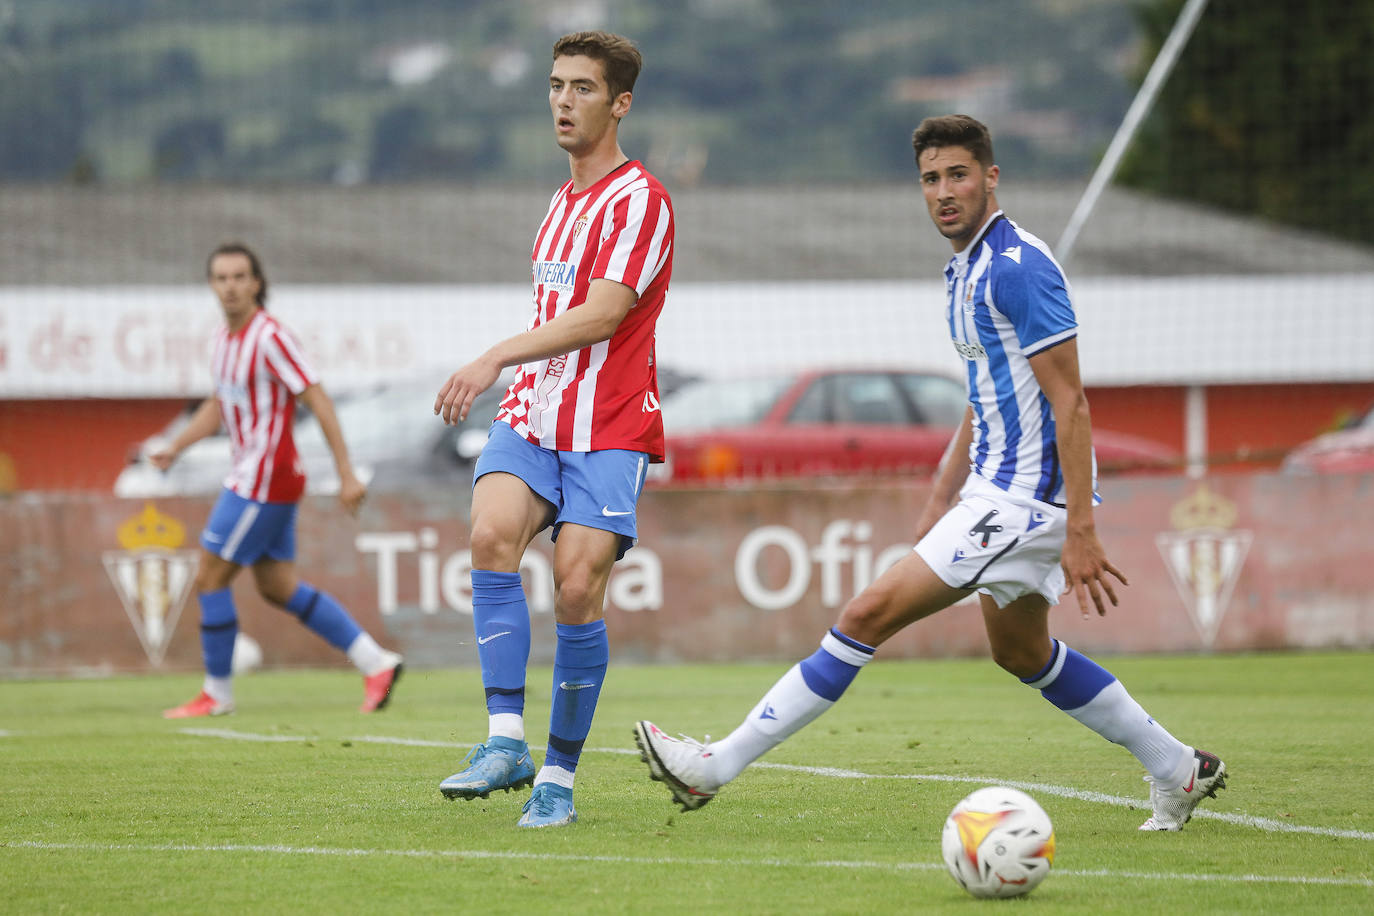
(162, 458)
(462, 388)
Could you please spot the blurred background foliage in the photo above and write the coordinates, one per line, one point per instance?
(734, 92)
(1268, 112)
(364, 90)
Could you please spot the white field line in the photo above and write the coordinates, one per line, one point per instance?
(654, 860)
(1245, 820)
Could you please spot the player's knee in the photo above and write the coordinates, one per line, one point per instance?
(205, 582)
(212, 577)
(864, 618)
(1018, 659)
(275, 593)
(579, 597)
(493, 547)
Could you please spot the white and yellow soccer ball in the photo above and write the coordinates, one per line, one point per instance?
(247, 654)
(998, 842)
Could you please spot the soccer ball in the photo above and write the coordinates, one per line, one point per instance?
(998, 842)
(247, 654)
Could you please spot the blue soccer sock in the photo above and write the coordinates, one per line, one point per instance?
(219, 625)
(324, 616)
(579, 668)
(808, 689)
(501, 621)
(1092, 695)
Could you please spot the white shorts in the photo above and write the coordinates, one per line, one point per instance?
(1003, 544)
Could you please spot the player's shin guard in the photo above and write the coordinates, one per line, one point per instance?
(1092, 695)
(808, 689)
(501, 621)
(579, 669)
(219, 625)
(323, 616)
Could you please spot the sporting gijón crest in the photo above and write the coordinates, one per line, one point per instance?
(151, 576)
(1204, 555)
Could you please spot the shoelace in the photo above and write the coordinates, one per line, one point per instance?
(541, 802)
(474, 755)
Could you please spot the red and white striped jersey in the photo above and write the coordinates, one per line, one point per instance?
(606, 395)
(258, 370)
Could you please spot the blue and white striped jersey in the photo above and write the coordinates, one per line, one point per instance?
(1008, 300)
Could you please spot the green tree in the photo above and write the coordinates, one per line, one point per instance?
(1267, 112)
(189, 148)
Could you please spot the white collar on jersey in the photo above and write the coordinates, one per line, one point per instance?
(960, 261)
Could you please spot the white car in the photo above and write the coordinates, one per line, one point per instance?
(394, 438)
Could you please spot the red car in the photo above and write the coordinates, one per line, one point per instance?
(835, 423)
(1344, 451)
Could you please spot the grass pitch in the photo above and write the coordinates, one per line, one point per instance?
(297, 803)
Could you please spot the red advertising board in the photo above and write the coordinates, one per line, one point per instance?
(94, 584)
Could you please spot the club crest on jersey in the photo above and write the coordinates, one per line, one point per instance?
(579, 225)
(151, 576)
(233, 393)
(556, 275)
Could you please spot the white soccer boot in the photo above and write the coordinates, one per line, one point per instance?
(682, 764)
(1174, 807)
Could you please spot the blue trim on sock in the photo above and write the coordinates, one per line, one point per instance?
(852, 643)
(579, 669)
(324, 616)
(563, 753)
(219, 625)
(501, 622)
(1079, 681)
(826, 675)
(1055, 647)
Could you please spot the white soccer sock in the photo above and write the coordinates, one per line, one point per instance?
(787, 707)
(1184, 770)
(1116, 716)
(370, 658)
(556, 775)
(220, 689)
(506, 725)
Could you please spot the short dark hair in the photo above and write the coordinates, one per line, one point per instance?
(620, 59)
(240, 248)
(954, 130)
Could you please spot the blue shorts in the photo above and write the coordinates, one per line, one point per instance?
(243, 531)
(595, 489)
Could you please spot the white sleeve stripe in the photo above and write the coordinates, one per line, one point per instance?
(292, 351)
(1046, 342)
(655, 252)
(628, 237)
(667, 252)
(285, 369)
(658, 252)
